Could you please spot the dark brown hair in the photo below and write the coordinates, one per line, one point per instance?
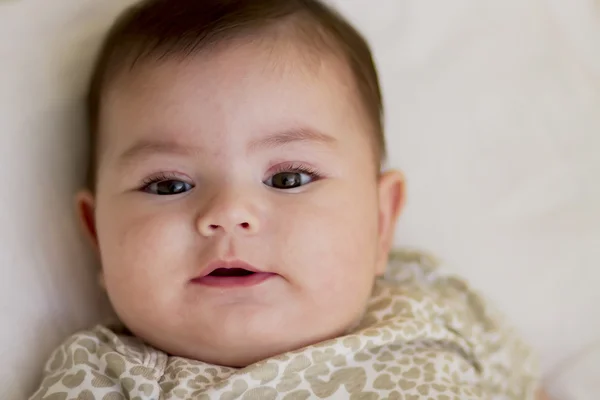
(157, 29)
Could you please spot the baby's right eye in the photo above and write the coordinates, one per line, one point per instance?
(168, 187)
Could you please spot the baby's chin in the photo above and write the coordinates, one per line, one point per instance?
(238, 348)
(243, 354)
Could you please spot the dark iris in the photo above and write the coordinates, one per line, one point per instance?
(287, 180)
(169, 188)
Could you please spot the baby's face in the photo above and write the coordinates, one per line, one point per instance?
(239, 159)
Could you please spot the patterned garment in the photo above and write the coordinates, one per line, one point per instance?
(423, 336)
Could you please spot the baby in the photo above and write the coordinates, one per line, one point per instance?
(244, 224)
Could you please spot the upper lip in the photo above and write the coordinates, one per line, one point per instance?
(221, 264)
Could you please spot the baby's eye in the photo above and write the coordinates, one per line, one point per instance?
(168, 187)
(289, 180)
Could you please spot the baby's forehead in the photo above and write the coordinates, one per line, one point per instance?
(248, 84)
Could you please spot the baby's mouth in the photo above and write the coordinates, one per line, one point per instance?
(234, 274)
(231, 272)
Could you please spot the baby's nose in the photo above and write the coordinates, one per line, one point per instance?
(214, 229)
(228, 218)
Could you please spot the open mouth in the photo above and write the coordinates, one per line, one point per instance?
(235, 274)
(231, 272)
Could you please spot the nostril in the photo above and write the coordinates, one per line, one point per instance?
(214, 227)
(245, 225)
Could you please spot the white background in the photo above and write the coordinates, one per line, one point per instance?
(493, 113)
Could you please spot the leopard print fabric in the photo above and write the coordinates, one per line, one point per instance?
(424, 336)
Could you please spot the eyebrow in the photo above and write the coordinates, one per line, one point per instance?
(147, 147)
(283, 138)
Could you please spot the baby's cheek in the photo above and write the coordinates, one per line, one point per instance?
(144, 264)
(338, 265)
(349, 239)
(340, 299)
(142, 247)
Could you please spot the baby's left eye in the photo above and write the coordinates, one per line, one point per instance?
(168, 187)
(289, 180)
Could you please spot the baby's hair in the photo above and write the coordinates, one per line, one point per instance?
(155, 30)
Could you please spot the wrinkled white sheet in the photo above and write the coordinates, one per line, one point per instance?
(493, 113)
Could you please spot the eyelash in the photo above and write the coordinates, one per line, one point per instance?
(296, 168)
(163, 176)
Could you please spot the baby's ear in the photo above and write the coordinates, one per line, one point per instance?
(101, 280)
(391, 202)
(85, 206)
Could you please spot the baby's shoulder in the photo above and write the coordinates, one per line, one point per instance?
(100, 360)
(418, 291)
(97, 346)
(420, 279)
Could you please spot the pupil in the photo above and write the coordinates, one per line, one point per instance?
(288, 180)
(170, 187)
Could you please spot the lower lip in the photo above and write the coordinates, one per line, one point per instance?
(233, 281)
